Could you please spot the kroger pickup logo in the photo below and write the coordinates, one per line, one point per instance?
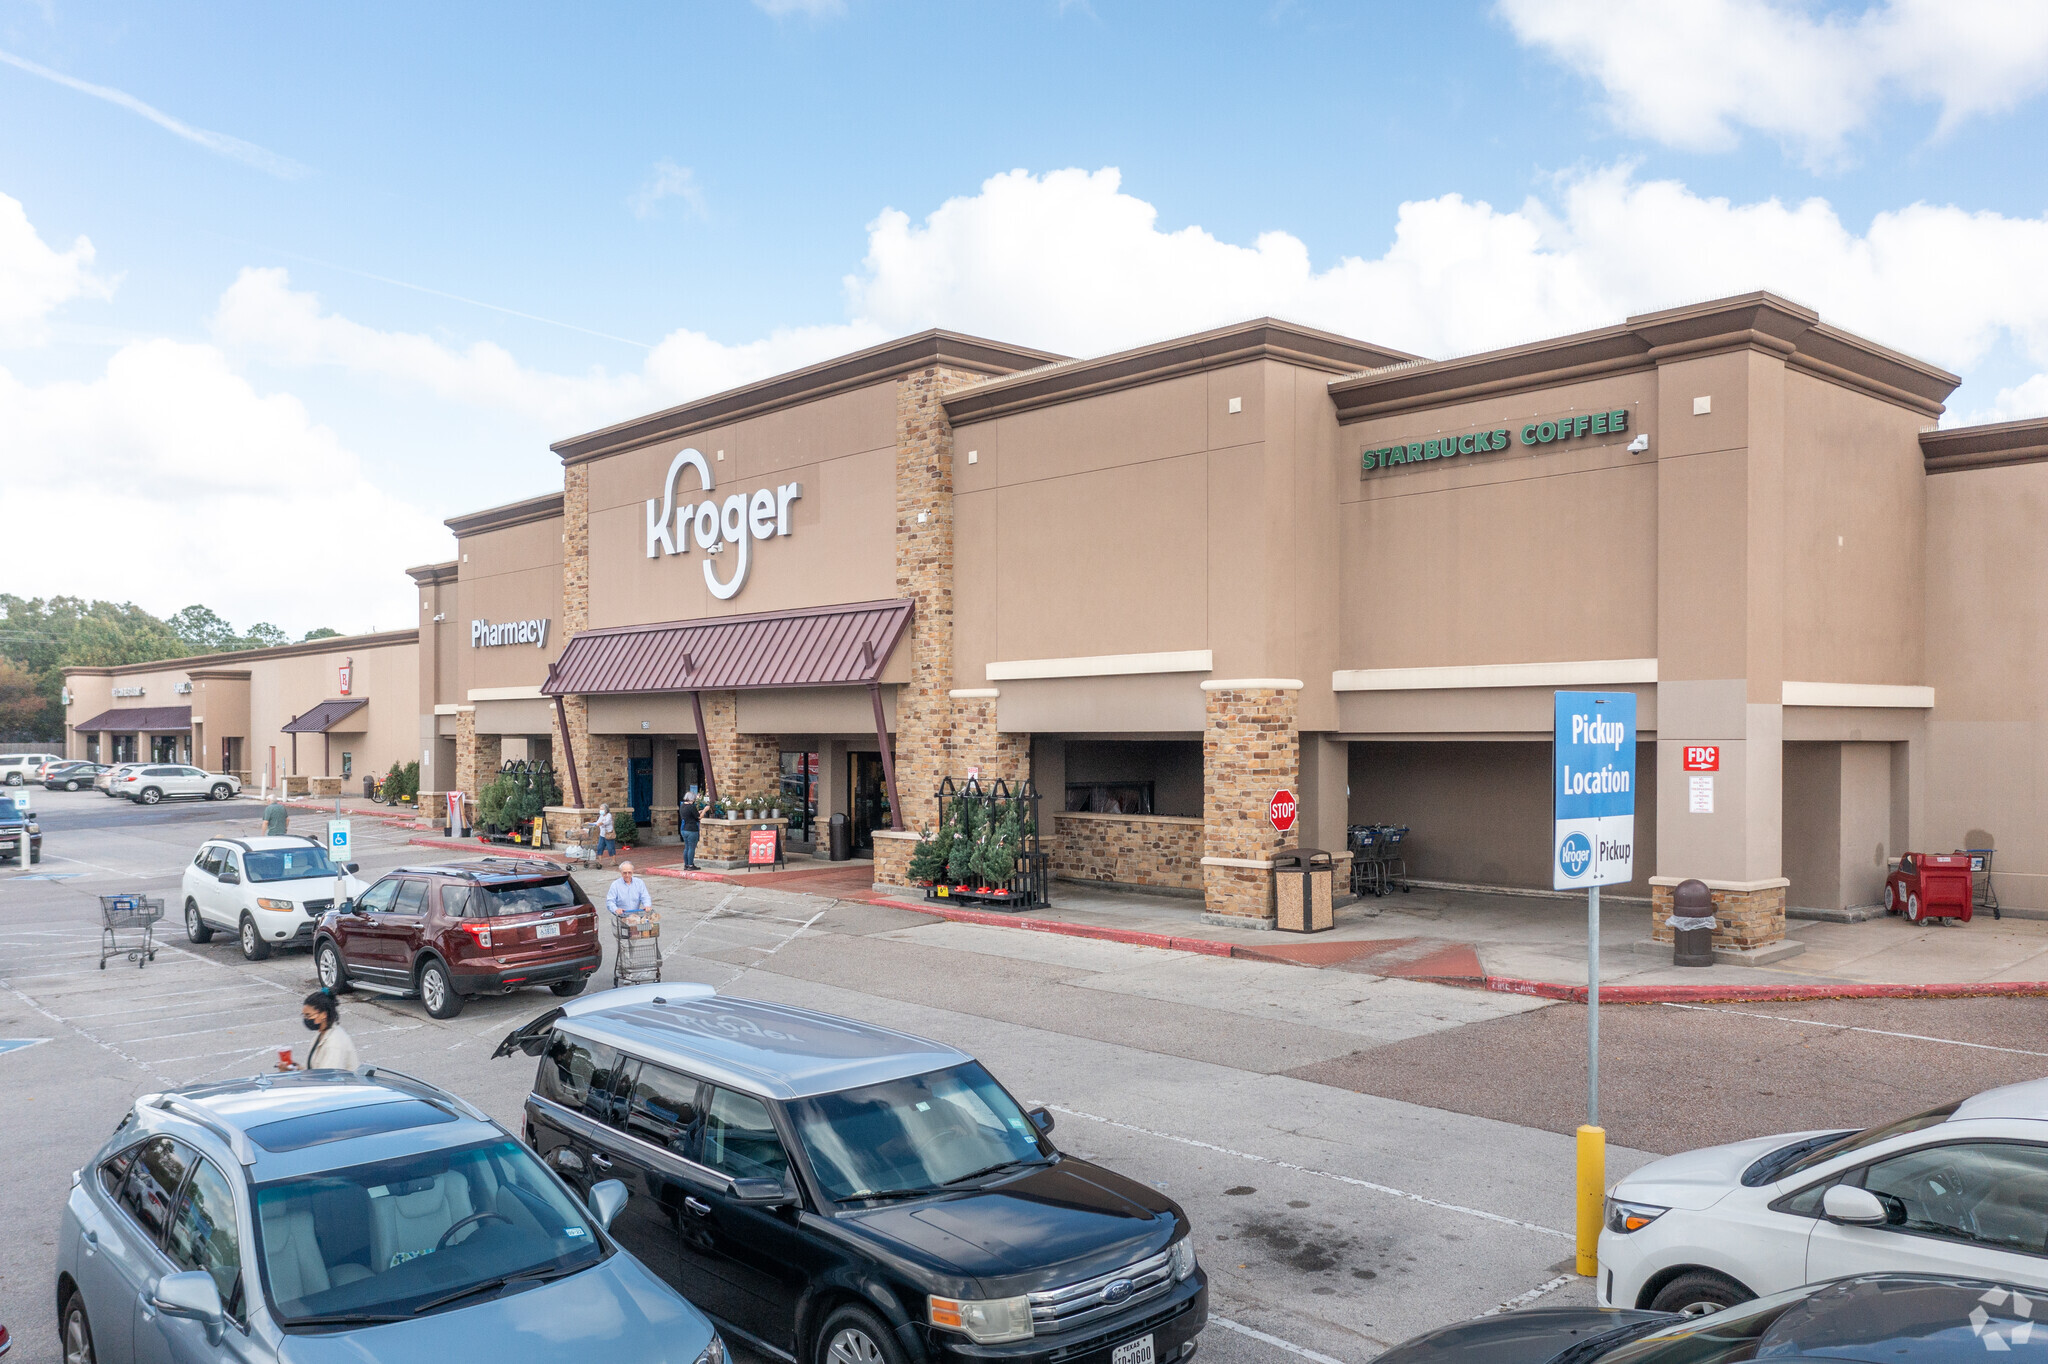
(1575, 854)
(2001, 1334)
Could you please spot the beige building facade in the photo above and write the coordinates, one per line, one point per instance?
(1167, 583)
(306, 716)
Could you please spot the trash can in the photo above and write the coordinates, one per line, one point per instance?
(369, 787)
(1302, 889)
(1692, 925)
(841, 838)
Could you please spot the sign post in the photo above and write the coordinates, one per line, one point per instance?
(1593, 778)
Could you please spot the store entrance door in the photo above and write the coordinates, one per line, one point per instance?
(870, 799)
(640, 790)
(689, 774)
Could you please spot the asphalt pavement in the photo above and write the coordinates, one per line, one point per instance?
(1362, 1158)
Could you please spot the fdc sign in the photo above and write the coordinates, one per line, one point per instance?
(1594, 777)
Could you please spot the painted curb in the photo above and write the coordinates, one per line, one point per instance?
(1753, 994)
(486, 849)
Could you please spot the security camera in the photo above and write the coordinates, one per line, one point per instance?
(1638, 445)
(717, 547)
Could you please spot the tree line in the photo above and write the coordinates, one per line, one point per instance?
(41, 637)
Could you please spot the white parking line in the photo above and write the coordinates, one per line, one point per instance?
(96, 1041)
(165, 995)
(1850, 1027)
(1302, 1350)
(1524, 1299)
(1319, 1174)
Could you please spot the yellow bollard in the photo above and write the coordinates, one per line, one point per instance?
(1592, 1196)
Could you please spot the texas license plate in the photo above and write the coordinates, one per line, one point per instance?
(1137, 1351)
(547, 930)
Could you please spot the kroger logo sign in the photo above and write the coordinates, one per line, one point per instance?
(1575, 854)
(738, 521)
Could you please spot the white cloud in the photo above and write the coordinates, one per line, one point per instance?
(667, 181)
(213, 493)
(35, 279)
(1690, 73)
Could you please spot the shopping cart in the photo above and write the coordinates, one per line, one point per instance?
(1982, 894)
(128, 928)
(638, 958)
(583, 852)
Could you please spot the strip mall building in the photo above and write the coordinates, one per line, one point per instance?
(1168, 582)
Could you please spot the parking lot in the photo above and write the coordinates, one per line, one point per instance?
(1363, 1158)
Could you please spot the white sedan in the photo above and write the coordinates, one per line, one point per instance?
(1961, 1189)
(268, 892)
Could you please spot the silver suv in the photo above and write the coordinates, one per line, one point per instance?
(347, 1215)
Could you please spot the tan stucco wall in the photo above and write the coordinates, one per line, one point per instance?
(506, 575)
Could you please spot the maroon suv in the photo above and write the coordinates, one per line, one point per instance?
(468, 928)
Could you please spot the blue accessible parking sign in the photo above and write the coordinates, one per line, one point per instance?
(1594, 779)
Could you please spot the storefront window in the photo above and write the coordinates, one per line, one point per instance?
(800, 787)
(1110, 798)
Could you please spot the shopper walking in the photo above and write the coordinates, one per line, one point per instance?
(692, 828)
(628, 899)
(607, 827)
(332, 1049)
(275, 817)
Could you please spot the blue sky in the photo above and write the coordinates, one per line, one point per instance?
(739, 188)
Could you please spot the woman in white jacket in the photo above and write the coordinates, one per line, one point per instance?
(332, 1049)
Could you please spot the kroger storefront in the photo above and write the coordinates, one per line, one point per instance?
(1172, 584)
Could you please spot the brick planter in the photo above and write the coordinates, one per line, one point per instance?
(1745, 915)
(892, 856)
(1162, 852)
(323, 787)
(722, 843)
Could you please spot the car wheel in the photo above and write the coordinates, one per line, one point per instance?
(220, 791)
(14, 778)
(77, 1332)
(1891, 899)
(195, 927)
(253, 946)
(149, 795)
(1699, 1292)
(854, 1335)
(328, 966)
(70, 786)
(437, 991)
(569, 989)
(1912, 906)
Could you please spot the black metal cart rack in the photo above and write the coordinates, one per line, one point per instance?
(1029, 884)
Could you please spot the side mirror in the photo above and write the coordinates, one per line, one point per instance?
(1847, 1203)
(607, 1201)
(1042, 1120)
(344, 906)
(229, 878)
(760, 1193)
(190, 1296)
(351, 867)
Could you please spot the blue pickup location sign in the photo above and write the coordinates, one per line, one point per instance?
(1593, 778)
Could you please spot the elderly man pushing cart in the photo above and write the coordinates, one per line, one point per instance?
(638, 958)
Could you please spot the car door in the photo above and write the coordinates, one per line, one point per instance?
(572, 1106)
(760, 1251)
(227, 890)
(204, 1234)
(126, 1260)
(649, 1150)
(356, 932)
(193, 781)
(1971, 1207)
(198, 880)
(398, 929)
(112, 1265)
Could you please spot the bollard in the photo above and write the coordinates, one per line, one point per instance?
(1592, 1196)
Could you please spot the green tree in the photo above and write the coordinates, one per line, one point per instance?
(22, 704)
(262, 635)
(201, 631)
(322, 633)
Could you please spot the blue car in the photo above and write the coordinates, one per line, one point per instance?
(333, 1216)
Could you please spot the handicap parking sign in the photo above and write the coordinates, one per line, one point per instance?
(1593, 773)
(337, 840)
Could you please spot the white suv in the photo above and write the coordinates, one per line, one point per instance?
(269, 892)
(16, 768)
(158, 781)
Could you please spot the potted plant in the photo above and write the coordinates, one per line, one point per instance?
(624, 829)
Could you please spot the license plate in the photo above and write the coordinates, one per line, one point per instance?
(1137, 1351)
(547, 930)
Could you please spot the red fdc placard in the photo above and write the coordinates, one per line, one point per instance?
(1281, 810)
(1703, 757)
(760, 847)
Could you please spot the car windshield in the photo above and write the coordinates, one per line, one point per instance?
(409, 1235)
(526, 897)
(1869, 1136)
(1726, 1337)
(916, 1135)
(288, 864)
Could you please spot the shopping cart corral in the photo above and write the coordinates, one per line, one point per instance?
(1378, 864)
(128, 928)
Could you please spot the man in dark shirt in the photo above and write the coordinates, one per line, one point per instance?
(691, 828)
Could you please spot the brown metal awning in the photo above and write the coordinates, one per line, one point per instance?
(327, 717)
(825, 646)
(139, 720)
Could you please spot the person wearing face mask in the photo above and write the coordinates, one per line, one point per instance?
(332, 1049)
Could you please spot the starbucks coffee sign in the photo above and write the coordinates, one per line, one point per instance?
(1573, 426)
(716, 526)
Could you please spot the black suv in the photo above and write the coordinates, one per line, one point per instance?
(838, 1193)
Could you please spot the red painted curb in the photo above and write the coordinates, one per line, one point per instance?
(485, 849)
(1204, 946)
(1756, 994)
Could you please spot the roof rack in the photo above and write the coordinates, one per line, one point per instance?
(425, 1088)
(195, 1113)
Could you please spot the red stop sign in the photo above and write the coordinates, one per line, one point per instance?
(1281, 810)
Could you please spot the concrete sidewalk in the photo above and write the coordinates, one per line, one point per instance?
(1480, 938)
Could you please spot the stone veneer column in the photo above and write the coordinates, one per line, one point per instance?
(477, 756)
(1250, 749)
(924, 575)
(744, 764)
(600, 759)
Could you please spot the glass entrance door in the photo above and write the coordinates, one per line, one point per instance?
(640, 790)
(689, 774)
(870, 798)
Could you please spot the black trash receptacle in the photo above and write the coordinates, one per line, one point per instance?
(369, 787)
(841, 838)
(1692, 925)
